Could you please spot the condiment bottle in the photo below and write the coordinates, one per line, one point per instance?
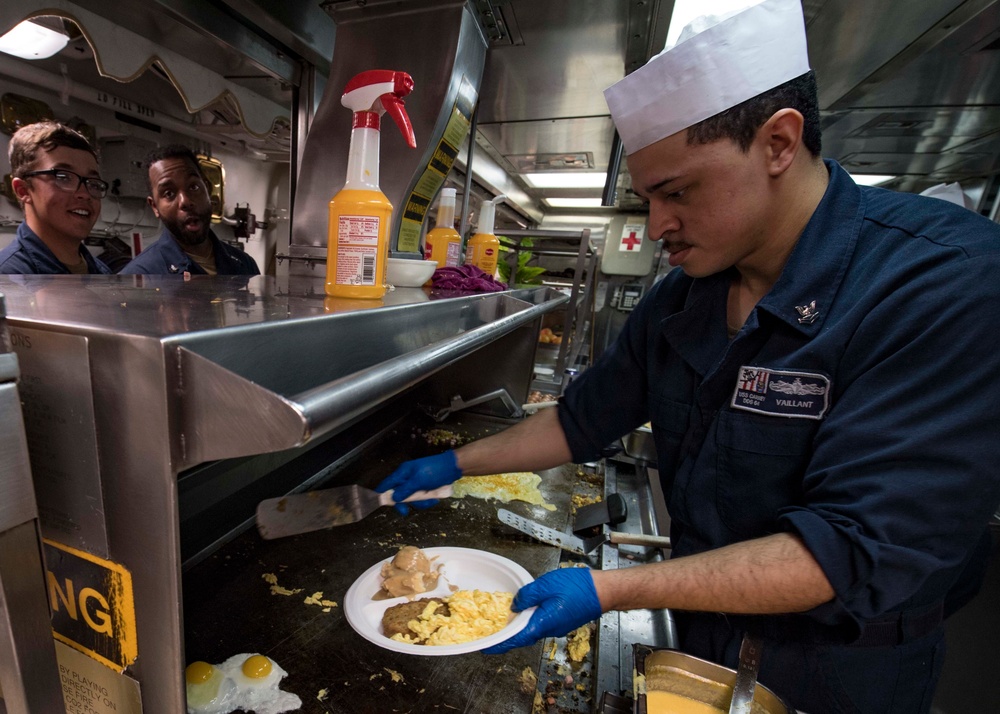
(443, 243)
(483, 250)
(360, 214)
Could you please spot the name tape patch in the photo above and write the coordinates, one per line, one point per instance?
(798, 395)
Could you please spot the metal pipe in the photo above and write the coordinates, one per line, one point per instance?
(572, 235)
(540, 251)
(614, 166)
(569, 331)
(464, 225)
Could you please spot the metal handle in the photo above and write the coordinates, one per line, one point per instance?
(386, 499)
(639, 539)
(535, 406)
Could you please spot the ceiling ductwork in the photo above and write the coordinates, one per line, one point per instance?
(124, 56)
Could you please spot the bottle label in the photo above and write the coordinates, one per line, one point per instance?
(356, 265)
(358, 230)
(454, 253)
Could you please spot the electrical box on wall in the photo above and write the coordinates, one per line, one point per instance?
(121, 165)
(627, 248)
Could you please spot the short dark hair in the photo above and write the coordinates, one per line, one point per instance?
(29, 140)
(740, 123)
(170, 151)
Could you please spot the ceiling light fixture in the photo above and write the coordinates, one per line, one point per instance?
(31, 41)
(573, 202)
(576, 179)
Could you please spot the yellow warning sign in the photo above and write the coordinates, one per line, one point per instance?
(437, 169)
(93, 609)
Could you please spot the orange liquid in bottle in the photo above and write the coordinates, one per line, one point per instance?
(358, 244)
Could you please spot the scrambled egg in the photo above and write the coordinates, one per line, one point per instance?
(578, 501)
(474, 614)
(317, 599)
(578, 643)
(276, 589)
(518, 486)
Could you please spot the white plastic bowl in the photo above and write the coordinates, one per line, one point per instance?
(406, 273)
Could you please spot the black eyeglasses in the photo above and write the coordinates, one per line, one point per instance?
(71, 181)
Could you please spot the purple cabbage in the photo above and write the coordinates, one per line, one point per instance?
(467, 278)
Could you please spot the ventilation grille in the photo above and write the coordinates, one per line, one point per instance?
(499, 22)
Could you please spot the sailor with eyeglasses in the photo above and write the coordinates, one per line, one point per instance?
(56, 181)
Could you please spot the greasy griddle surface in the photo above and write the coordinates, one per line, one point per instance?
(229, 608)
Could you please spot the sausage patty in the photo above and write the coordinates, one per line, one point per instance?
(396, 618)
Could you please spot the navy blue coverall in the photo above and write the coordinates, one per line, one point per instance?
(166, 257)
(28, 255)
(857, 407)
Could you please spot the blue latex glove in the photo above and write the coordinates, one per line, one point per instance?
(423, 474)
(566, 599)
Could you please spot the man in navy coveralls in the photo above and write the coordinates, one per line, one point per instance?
(821, 375)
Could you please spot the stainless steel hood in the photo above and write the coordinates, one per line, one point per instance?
(441, 46)
(910, 89)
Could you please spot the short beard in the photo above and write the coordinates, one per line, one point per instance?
(187, 239)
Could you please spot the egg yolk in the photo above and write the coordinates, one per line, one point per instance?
(257, 667)
(199, 672)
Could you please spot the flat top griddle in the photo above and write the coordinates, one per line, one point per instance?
(229, 607)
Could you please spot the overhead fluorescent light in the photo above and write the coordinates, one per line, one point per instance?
(871, 179)
(576, 179)
(687, 10)
(32, 42)
(573, 202)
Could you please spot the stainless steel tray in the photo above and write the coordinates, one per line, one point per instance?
(672, 671)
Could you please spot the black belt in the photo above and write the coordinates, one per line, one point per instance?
(900, 627)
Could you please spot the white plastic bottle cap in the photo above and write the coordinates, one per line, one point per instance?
(487, 214)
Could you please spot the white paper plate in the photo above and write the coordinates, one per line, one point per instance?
(465, 568)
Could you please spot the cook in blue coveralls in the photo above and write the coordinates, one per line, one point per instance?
(179, 197)
(821, 378)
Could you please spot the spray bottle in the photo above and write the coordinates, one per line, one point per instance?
(358, 234)
(483, 250)
(443, 243)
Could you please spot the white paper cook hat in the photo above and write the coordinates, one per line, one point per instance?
(729, 62)
(951, 192)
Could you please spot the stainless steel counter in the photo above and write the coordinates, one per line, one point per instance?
(29, 677)
(158, 409)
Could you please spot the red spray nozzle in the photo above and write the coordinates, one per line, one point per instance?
(380, 90)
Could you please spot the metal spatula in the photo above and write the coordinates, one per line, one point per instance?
(315, 510)
(580, 546)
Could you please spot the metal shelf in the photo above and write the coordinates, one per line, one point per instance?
(581, 288)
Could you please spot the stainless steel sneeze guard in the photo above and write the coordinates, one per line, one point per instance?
(164, 374)
(284, 381)
(396, 351)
